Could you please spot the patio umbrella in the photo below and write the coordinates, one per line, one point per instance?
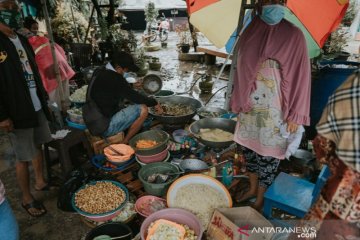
(217, 19)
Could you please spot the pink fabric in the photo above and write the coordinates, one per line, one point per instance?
(286, 44)
(2, 192)
(259, 129)
(45, 63)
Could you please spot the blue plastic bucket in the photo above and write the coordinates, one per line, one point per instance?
(329, 79)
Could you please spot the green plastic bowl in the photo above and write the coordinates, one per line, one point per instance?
(157, 189)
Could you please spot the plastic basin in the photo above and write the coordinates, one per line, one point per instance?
(176, 215)
(143, 205)
(114, 229)
(157, 189)
(167, 158)
(153, 158)
(156, 135)
(179, 135)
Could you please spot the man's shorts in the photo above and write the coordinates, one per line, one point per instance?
(26, 142)
(123, 119)
(264, 167)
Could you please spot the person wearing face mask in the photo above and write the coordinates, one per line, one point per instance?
(45, 63)
(109, 91)
(271, 92)
(23, 105)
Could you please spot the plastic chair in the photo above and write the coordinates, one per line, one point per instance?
(292, 194)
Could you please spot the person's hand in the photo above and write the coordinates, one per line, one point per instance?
(291, 127)
(7, 125)
(159, 110)
(138, 84)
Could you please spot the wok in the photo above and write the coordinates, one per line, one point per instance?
(177, 120)
(221, 123)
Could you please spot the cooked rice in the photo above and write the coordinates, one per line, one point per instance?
(200, 199)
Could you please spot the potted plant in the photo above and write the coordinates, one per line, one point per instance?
(155, 64)
(350, 14)
(142, 62)
(151, 14)
(183, 32)
(164, 44)
(333, 48)
(206, 83)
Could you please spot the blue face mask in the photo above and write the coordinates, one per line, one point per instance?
(126, 75)
(272, 14)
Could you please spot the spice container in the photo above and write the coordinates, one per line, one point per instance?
(227, 174)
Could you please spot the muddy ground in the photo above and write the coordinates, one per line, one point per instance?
(57, 225)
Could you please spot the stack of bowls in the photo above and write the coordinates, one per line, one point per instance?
(157, 153)
(119, 160)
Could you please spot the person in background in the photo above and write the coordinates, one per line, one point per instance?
(9, 229)
(164, 24)
(337, 211)
(109, 91)
(23, 105)
(271, 92)
(44, 59)
(32, 25)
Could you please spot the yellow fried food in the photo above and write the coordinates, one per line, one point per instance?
(146, 143)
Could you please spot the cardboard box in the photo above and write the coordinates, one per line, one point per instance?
(238, 224)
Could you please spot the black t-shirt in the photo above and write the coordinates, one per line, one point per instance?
(110, 89)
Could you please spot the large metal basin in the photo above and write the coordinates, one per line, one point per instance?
(177, 120)
(221, 123)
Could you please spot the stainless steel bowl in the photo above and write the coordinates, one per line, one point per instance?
(152, 84)
(177, 120)
(221, 123)
(190, 165)
(156, 135)
(206, 112)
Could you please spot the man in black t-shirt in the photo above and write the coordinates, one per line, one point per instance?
(110, 89)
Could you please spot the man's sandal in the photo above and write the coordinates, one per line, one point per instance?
(37, 205)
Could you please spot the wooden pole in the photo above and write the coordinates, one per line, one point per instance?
(90, 20)
(235, 49)
(75, 25)
(193, 34)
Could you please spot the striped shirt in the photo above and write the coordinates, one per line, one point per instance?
(2, 192)
(340, 121)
